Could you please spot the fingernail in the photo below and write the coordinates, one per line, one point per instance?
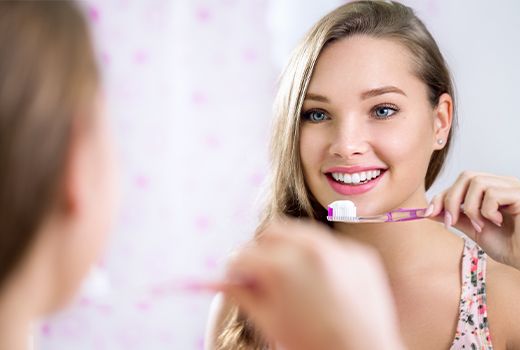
(429, 211)
(499, 224)
(447, 219)
(476, 226)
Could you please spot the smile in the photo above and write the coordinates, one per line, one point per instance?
(353, 181)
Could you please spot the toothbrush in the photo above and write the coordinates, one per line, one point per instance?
(192, 286)
(345, 211)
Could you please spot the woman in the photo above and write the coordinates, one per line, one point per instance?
(364, 112)
(57, 182)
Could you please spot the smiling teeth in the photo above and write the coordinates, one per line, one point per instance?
(356, 178)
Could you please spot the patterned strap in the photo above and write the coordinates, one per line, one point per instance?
(472, 328)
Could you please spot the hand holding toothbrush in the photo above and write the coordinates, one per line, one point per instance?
(490, 213)
(305, 289)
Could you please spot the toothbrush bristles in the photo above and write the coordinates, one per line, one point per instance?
(343, 218)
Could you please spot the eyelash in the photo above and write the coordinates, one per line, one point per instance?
(306, 115)
(385, 105)
(394, 108)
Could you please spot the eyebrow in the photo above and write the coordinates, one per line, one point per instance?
(381, 91)
(365, 95)
(316, 97)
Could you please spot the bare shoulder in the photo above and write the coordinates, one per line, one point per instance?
(219, 311)
(503, 291)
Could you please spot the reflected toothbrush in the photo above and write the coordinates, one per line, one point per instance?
(345, 211)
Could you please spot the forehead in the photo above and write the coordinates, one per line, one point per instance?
(361, 63)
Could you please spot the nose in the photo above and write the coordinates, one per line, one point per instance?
(349, 140)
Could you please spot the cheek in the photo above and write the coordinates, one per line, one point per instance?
(407, 149)
(311, 151)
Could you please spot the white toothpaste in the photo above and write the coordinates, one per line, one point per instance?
(343, 208)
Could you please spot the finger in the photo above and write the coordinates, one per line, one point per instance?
(473, 200)
(490, 205)
(436, 206)
(493, 190)
(455, 197)
(247, 300)
(439, 218)
(298, 233)
(497, 200)
(255, 279)
(242, 291)
(268, 264)
(439, 213)
(280, 229)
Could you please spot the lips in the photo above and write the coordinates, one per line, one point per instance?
(354, 180)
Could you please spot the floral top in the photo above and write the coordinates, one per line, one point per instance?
(472, 328)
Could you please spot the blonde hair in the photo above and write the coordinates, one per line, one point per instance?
(48, 74)
(289, 194)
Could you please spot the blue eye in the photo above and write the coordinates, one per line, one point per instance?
(384, 112)
(315, 116)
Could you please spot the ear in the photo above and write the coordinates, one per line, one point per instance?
(442, 121)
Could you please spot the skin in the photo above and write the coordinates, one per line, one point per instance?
(70, 238)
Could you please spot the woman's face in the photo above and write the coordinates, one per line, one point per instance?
(367, 127)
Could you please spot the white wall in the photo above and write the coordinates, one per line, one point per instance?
(190, 85)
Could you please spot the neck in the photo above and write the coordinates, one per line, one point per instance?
(396, 242)
(403, 246)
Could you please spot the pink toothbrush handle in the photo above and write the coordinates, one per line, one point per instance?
(403, 214)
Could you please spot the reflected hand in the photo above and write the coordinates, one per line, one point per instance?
(306, 290)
